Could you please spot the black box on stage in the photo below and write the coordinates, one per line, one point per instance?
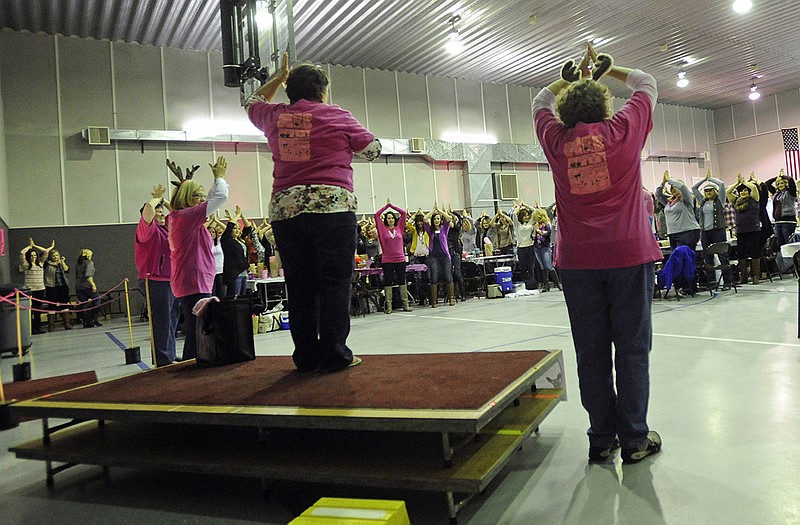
(225, 332)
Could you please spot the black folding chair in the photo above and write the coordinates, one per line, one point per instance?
(719, 249)
(769, 258)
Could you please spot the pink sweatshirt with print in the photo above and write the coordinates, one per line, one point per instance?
(602, 222)
(311, 142)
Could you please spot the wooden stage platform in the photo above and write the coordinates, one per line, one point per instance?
(479, 408)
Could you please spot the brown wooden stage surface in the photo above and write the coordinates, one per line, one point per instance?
(457, 392)
(440, 422)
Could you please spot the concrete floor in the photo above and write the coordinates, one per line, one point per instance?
(725, 397)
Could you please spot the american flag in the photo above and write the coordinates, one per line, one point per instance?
(792, 152)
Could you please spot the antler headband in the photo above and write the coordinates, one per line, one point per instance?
(571, 73)
(176, 170)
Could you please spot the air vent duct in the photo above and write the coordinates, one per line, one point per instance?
(417, 145)
(97, 135)
(509, 187)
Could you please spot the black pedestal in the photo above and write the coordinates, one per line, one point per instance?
(21, 371)
(132, 355)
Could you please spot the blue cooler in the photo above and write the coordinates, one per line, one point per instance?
(502, 276)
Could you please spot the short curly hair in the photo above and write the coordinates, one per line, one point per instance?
(306, 81)
(584, 101)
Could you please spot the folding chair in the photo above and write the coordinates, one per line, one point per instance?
(680, 271)
(718, 249)
(769, 258)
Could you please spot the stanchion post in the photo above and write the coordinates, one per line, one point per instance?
(150, 320)
(22, 370)
(132, 354)
(19, 329)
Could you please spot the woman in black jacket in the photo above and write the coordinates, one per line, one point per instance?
(234, 271)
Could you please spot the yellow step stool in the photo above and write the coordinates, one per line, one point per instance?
(345, 511)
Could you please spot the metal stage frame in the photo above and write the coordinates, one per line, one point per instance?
(357, 446)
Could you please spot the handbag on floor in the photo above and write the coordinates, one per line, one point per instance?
(225, 332)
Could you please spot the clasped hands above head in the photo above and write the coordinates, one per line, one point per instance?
(591, 65)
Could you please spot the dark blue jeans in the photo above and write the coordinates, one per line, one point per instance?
(189, 327)
(440, 269)
(236, 287)
(164, 310)
(317, 251)
(612, 307)
(784, 230)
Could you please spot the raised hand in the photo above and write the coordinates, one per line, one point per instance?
(218, 168)
(666, 176)
(708, 173)
(238, 211)
(284, 71)
(158, 191)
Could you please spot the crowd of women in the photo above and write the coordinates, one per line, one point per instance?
(46, 280)
(442, 239)
(756, 213)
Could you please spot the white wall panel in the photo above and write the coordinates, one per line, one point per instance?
(383, 112)
(766, 110)
(470, 107)
(186, 87)
(443, 107)
(744, 121)
(415, 120)
(495, 104)
(519, 105)
(388, 181)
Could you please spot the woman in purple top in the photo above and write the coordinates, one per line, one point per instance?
(440, 266)
(193, 266)
(312, 209)
(390, 222)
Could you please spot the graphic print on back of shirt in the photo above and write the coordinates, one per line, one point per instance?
(587, 167)
(294, 136)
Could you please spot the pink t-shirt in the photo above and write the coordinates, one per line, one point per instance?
(151, 251)
(391, 240)
(598, 182)
(193, 265)
(311, 142)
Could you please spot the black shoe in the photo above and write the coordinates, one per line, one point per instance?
(97, 323)
(651, 445)
(37, 332)
(88, 326)
(599, 455)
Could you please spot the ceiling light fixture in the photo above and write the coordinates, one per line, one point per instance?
(742, 6)
(454, 44)
(682, 80)
(754, 94)
(264, 11)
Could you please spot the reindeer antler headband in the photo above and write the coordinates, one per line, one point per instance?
(176, 170)
(571, 73)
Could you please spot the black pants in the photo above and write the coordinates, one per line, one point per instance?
(89, 316)
(317, 254)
